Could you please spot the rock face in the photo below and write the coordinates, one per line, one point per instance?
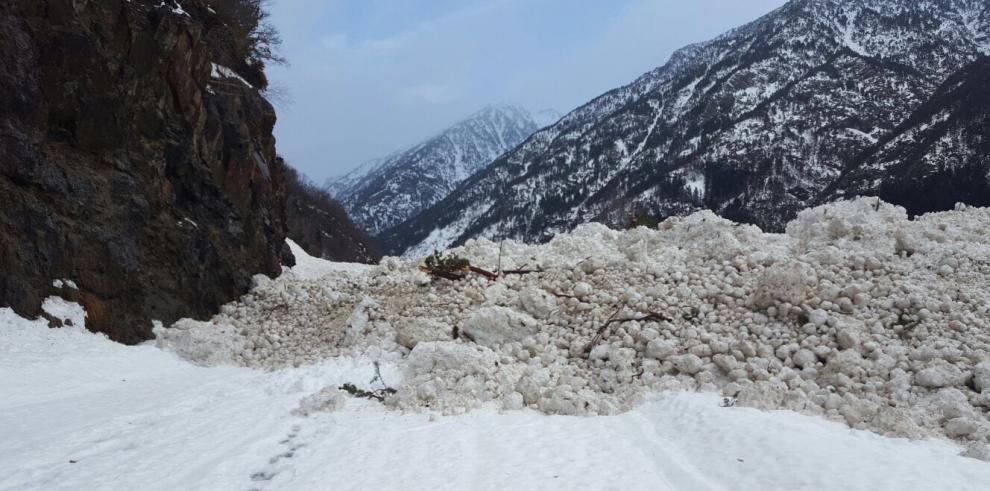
(755, 125)
(130, 164)
(320, 225)
(385, 193)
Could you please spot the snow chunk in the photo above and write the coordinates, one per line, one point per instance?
(69, 313)
(789, 282)
(492, 326)
(426, 358)
(327, 400)
(63, 283)
(940, 376)
(411, 332)
(537, 302)
(981, 377)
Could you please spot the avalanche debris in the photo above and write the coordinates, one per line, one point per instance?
(856, 313)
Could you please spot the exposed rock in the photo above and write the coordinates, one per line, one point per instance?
(126, 168)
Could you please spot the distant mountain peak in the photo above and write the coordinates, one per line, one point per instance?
(385, 192)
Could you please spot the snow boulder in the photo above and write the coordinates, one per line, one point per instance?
(427, 358)
(688, 364)
(788, 282)
(805, 358)
(707, 235)
(961, 427)
(537, 302)
(939, 376)
(328, 400)
(447, 376)
(410, 332)
(491, 326)
(981, 376)
(659, 349)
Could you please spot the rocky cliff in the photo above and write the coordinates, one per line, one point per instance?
(131, 164)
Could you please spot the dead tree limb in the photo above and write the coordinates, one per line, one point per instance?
(447, 275)
(601, 332)
(501, 246)
(650, 316)
(460, 274)
(482, 272)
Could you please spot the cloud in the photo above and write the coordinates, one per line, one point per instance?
(429, 94)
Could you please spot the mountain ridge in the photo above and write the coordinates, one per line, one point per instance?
(753, 124)
(384, 192)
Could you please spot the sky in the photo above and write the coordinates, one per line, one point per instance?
(366, 78)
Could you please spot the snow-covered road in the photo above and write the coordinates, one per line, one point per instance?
(79, 412)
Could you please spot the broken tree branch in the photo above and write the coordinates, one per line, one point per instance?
(650, 316)
(601, 332)
(460, 274)
(501, 247)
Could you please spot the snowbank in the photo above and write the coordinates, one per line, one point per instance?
(857, 314)
(76, 406)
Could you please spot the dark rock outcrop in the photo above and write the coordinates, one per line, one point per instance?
(320, 225)
(130, 164)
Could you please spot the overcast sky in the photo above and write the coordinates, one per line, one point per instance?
(368, 77)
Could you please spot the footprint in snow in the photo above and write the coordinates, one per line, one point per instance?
(272, 469)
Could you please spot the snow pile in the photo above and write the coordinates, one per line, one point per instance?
(856, 313)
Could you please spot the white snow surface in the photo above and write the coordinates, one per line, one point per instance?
(856, 315)
(80, 412)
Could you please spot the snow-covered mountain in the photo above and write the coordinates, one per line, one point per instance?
(754, 124)
(385, 192)
(939, 156)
